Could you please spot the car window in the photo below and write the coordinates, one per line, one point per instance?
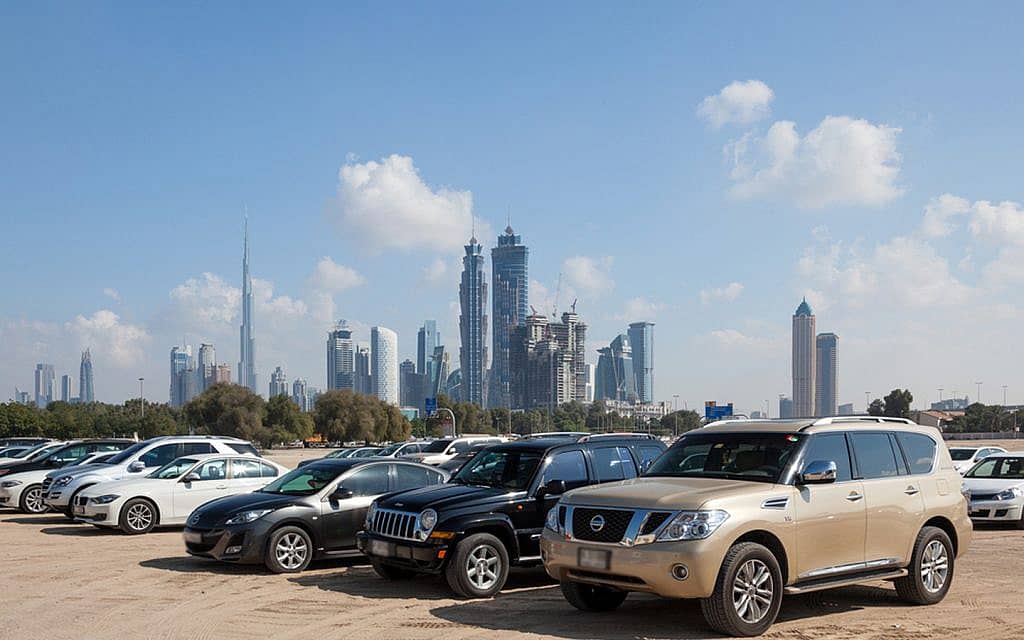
(960, 454)
(984, 469)
(1003, 468)
(830, 447)
(368, 481)
(243, 447)
(212, 470)
(69, 454)
(649, 454)
(875, 457)
(410, 477)
(613, 463)
(919, 450)
(268, 470)
(241, 469)
(461, 447)
(159, 456)
(568, 466)
(511, 470)
(194, 448)
(757, 457)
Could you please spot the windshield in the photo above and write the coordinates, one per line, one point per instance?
(337, 453)
(125, 455)
(1001, 468)
(959, 455)
(390, 451)
(437, 446)
(78, 461)
(365, 453)
(760, 457)
(173, 469)
(11, 452)
(303, 482)
(510, 470)
(41, 451)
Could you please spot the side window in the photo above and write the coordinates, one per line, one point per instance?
(268, 470)
(648, 454)
(213, 470)
(875, 457)
(194, 448)
(613, 463)
(243, 447)
(110, 446)
(71, 453)
(830, 446)
(159, 456)
(920, 451)
(410, 477)
(568, 466)
(369, 481)
(242, 469)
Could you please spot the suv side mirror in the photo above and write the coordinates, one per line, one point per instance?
(819, 472)
(192, 477)
(341, 493)
(136, 467)
(552, 488)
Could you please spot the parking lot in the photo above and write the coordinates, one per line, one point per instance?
(62, 580)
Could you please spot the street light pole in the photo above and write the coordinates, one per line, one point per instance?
(867, 401)
(1004, 395)
(978, 398)
(455, 431)
(142, 399)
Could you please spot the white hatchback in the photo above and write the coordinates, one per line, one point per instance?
(966, 457)
(168, 496)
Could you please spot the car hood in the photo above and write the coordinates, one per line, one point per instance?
(127, 486)
(670, 494)
(25, 477)
(443, 497)
(216, 511)
(991, 485)
(74, 471)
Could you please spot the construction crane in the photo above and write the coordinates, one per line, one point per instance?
(558, 291)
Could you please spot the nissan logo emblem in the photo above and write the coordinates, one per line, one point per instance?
(597, 523)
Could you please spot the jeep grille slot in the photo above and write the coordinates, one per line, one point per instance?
(393, 524)
(613, 524)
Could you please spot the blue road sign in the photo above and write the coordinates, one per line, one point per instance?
(430, 404)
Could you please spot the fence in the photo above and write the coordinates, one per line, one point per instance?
(985, 435)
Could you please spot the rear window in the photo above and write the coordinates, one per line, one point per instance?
(243, 447)
(919, 450)
(437, 446)
(613, 463)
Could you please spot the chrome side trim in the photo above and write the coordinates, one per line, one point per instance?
(853, 566)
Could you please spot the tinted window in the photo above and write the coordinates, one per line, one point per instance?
(760, 457)
(193, 448)
(69, 454)
(268, 470)
(159, 456)
(410, 477)
(369, 481)
(649, 454)
(173, 469)
(613, 463)
(830, 447)
(244, 447)
(510, 470)
(302, 482)
(245, 468)
(568, 466)
(959, 455)
(128, 453)
(875, 457)
(1006, 468)
(212, 470)
(437, 446)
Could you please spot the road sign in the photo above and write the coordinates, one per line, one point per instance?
(713, 411)
(430, 404)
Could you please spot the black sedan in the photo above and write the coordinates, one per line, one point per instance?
(310, 513)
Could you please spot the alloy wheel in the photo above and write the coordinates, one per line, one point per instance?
(753, 591)
(291, 551)
(34, 500)
(483, 566)
(139, 517)
(934, 566)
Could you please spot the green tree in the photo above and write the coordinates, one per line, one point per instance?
(287, 421)
(681, 421)
(228, 410)
(897, 403)
(877, 407)
(346, 416)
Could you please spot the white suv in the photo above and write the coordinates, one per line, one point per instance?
(134, 462)
(443, 450)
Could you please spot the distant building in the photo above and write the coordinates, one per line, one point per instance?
(67, 390)
(803, 361)
(951, 404)
(453, 384)
(86, 392)
(384, 364)
(758, 415)
(614, 378)
(247, 362)
(641, 340)
(826, 386)
(413, 385)
(641, 412)
(22, 397)
(785, 407)
(206, 366)
(363, 373)
(222, 373)
(937, 418)
(300, 395)
(341, 358)
(589, 393)
(473, 325)
(439, 367)
(44, 379)
(427, 339)
(278, 383)
(181, 367)
(509, 294)
(846, 409)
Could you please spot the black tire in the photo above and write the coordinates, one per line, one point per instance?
(138, 516)
(69, 510)
(753, 567)
(31, 500)
(391, 572)
(592, 598)
(478, 568)
(931, 568)
(289, 550)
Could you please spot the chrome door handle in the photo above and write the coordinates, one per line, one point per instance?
(221, 486)
(911, 491)
(854, 497)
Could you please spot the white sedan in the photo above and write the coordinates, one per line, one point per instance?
(23, 491)
(966, 457)
(167, 496)
(995, 489)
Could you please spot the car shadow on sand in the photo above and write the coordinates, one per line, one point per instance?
(364, 582)
(641, 616)
(42, 518)
(192, 564)
(85, 531)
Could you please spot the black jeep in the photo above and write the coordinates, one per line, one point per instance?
(490, 515)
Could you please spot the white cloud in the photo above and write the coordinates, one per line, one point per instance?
(739, 102)
(938, 213)
(640, 309)
(437, 272)
(265, 305)
(729, 292)
(842, 161)
(589, 275)
(208, 301)
(736, 339)
(388, 205)
(111, 338)
(1002, 223)
(113, 294)
(331, 276)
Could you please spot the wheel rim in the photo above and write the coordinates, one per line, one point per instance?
(753, 591)
(483, 566)
(139, 517)
(934, 566)
(34, 500)
(291, 551)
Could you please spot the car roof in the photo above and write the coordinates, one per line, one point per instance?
(543, 444)
(816, 425)
(1005, 454)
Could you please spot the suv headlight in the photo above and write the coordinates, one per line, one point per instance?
(63, 481)
(551, 521)
(10, 483)
(426, 521)
(1009, 494)
(246, 517)
(106, 499)
(693, 525)
(369, 515)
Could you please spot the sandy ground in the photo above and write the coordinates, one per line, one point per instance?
(62, 580)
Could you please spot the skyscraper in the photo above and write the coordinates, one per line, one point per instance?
(439, 366)
(826, 383)
(641, 339)
(67, 390)
(340, 357)
(44, 379)
(413, 385)
(384, 364)
(615, 379)
(206, 365)
(85, 388)
(181, 365)
(510, 293)
(278, 383)
(427, 338)
(785, 407)
(300, 395)
(222, 373)
(473, 325)
(803, 361)
(364, 379)
(247, 361)
(545, 362)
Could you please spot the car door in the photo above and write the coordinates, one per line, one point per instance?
(413, 476)
(892, 499)
(612, 463)
(569, 466)
(212, 483)
(830, 518)
(340, 520)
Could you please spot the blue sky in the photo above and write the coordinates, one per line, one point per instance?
(135, 136)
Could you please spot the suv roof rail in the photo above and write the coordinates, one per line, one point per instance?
(624, 434)
(860, 419)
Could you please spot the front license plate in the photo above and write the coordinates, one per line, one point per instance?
(379, 548)
(79, 510)
(193, 537)
(594, 559)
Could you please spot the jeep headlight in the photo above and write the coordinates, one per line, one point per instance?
(369, 515)
(1009, 494)
(245, 517)
(10, 483)
(63, 481)
(105, 499)
(693, 525)
(427, 520)
(551, 521)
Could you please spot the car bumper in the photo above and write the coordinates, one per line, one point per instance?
(101, 514)
(417, 556)
(644, 568)
(58, 498)
(995, 511)
(9, 496)
(243, 544)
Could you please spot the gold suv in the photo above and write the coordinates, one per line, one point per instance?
(739, 513)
